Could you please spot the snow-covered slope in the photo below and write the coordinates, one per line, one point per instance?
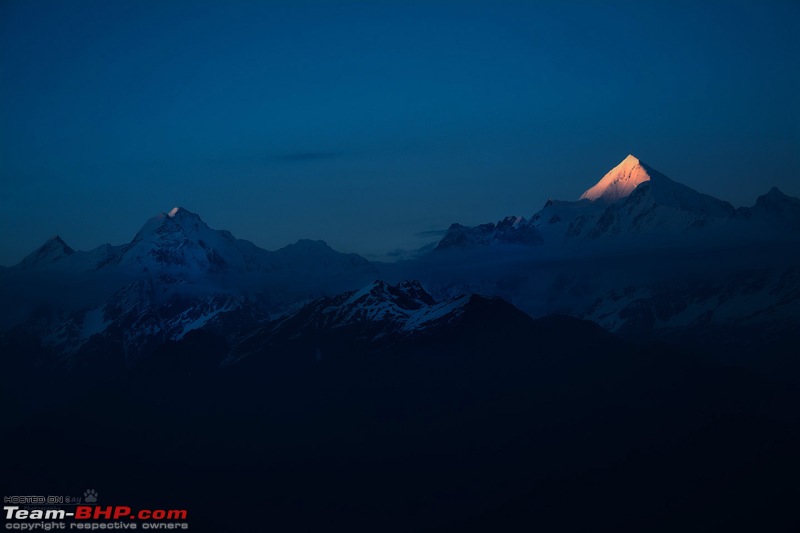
(733, 310)
(510, 230)
(664, 208)
(179, 242)
(559, 218)
(143, 316)
(620, 181)
(602, 257)
(635, 246)
(378, 312)
(177, 274)
(379, 308)
(631, 199)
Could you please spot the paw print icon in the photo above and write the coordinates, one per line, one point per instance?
(90, 496)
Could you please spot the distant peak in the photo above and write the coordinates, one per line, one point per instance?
(181, 217)
(51, 251)
(57, 243)
(56, 239)
(776, 198)
(620, 181)
(776, 193)
(181, 212)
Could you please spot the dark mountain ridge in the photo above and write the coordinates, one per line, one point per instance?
(486, 416)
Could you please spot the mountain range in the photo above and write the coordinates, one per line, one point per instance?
(638, 253)
(622, 362)
(633, 199)
(641, 255)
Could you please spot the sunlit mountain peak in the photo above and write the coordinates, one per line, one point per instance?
(620, 181)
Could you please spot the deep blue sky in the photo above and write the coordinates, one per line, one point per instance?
(371, 125)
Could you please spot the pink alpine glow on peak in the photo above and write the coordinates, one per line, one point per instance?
(620, 181)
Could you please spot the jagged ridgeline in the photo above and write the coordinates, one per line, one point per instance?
(624, 362)
(639, 254)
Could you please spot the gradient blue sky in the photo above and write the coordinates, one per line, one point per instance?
(371, 125)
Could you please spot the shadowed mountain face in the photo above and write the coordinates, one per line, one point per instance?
(384, 408)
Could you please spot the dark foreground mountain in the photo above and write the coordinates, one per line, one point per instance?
(383, 409)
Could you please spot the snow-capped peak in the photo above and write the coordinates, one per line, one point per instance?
(620, 181)
(180, 239)
(181, 213)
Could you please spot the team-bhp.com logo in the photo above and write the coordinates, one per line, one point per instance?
(87, 512)
(51, 512)
(115, 512)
